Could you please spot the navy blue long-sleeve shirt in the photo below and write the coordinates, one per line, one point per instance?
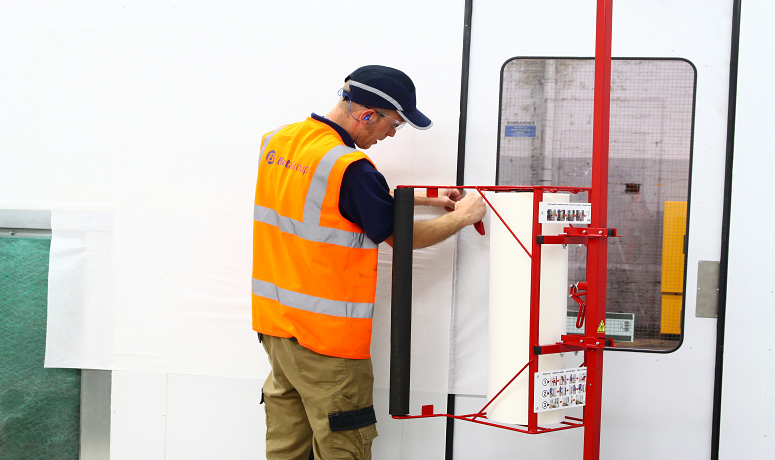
(364, 198)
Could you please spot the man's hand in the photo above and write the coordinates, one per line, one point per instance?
(467, 210)
(447, 198)
(471, 208)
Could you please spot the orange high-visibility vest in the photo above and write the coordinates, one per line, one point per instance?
(314, 272)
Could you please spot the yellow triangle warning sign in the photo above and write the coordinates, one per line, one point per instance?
(601, 328)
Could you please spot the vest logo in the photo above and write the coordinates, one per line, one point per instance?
(287, 164)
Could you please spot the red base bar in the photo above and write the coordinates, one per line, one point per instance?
(531, 428)
(569, 422)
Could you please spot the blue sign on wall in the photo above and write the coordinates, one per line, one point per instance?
(520, 131)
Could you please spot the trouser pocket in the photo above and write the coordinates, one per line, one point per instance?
(352, 431)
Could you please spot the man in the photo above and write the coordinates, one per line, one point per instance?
(321, 210)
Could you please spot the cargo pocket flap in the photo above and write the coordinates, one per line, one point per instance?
(352, 419)
(368, 433)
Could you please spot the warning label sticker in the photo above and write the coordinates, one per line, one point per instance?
(575, 213)
(560, 389)
(601, 328)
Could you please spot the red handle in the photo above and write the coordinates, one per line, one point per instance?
(479, 226)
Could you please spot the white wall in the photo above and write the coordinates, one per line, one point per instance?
(138, 124)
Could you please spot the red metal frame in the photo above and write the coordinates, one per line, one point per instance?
(568, 343)
(595, 237)
(597, 248)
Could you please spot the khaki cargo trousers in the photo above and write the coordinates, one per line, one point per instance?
(317, 404)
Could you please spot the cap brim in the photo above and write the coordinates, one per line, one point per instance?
(416, 119)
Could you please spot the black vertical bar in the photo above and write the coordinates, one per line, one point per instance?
(401, 301)
(461, 166)
(449, 450)
(725, 223)
(461, 133)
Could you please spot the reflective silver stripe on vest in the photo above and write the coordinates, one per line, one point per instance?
(312, 232)
(266, 142)
(317, 187)
(310, 228)
(311, 303)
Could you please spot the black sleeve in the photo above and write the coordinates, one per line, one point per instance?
(365, 200)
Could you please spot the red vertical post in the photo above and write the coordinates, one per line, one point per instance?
(597, 248)
(535, 309)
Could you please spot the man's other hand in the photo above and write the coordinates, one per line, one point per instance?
(471, 208)
(446, 199)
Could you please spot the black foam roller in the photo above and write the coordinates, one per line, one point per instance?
(401, 301)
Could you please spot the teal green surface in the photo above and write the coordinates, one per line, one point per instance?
(39, 408)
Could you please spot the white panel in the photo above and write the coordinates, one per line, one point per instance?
(768, 427)
(672, 419)
(769, 345)
(424, 438)
(390, 431)
(142, 278)
(57, 122)
(145, 104)
(138, 421)
(212, 333)
(410, 439)
(748, 357)
(53, 12)
(214, 417)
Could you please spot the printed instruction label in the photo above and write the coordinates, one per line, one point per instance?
(577, 213)
(560, 389)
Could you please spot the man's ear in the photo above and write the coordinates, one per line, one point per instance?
(367, 116)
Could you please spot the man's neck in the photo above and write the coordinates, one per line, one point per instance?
(342, 119)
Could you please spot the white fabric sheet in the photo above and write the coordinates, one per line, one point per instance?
(81, 291)
(160, 285)
(431, 309)
(179, 263)
(470, 315)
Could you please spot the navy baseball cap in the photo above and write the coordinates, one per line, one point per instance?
(386, 88)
